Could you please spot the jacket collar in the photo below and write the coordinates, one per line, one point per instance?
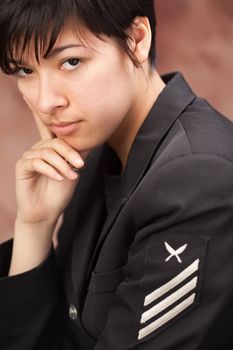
(167, 108)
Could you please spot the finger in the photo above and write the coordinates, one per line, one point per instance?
(63, 149)
(53, 159)
(42, 168)
(44, 132)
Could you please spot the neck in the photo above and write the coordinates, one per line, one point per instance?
(124, 136)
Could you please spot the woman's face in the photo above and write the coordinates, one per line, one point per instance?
(90, 84)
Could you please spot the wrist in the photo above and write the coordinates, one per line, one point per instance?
(47, 223)
(32, 244)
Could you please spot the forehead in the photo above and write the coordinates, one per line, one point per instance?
(69, 36)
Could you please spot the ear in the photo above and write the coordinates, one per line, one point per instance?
(140, 33)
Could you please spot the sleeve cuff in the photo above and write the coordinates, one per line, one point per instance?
(5, 257)
(27, 292)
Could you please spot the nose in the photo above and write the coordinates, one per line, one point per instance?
(51, 96)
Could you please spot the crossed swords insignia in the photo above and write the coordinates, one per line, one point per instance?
(174, 252)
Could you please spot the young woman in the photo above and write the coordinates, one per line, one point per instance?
(141, 171)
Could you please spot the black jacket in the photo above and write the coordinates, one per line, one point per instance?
(156, 273)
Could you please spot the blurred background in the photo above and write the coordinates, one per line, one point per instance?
(193, 36)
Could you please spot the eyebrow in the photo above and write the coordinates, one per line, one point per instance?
(54, 52)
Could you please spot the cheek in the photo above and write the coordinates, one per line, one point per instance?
(105, 92)
(114, 99)
(26, 91)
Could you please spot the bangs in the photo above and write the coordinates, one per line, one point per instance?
(38, 27)
(26, 24)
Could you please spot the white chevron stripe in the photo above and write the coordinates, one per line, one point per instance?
(169, 300)
(172, 283)
(166, 317)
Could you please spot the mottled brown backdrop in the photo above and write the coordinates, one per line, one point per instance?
(194, 36)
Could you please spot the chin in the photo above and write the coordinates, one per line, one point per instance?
(81, 146)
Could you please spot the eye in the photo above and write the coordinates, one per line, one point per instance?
(23, 71)
(71, 63)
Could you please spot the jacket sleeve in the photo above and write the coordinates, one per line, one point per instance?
(178, 282)
(28, 306)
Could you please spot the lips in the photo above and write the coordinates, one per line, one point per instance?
(64, 128)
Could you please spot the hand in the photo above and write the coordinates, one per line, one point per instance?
(45, 181)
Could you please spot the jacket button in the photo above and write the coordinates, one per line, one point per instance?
(73, 313)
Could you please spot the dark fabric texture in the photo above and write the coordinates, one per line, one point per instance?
(152, 269)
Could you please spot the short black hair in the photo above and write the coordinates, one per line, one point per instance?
(22, 21)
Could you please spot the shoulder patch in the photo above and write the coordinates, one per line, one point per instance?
(172, 282)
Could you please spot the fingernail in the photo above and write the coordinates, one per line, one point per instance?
(59, 177)
(73, 175)
(78, 162)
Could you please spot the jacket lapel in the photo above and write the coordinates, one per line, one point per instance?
(173, 100)
(83, 221)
